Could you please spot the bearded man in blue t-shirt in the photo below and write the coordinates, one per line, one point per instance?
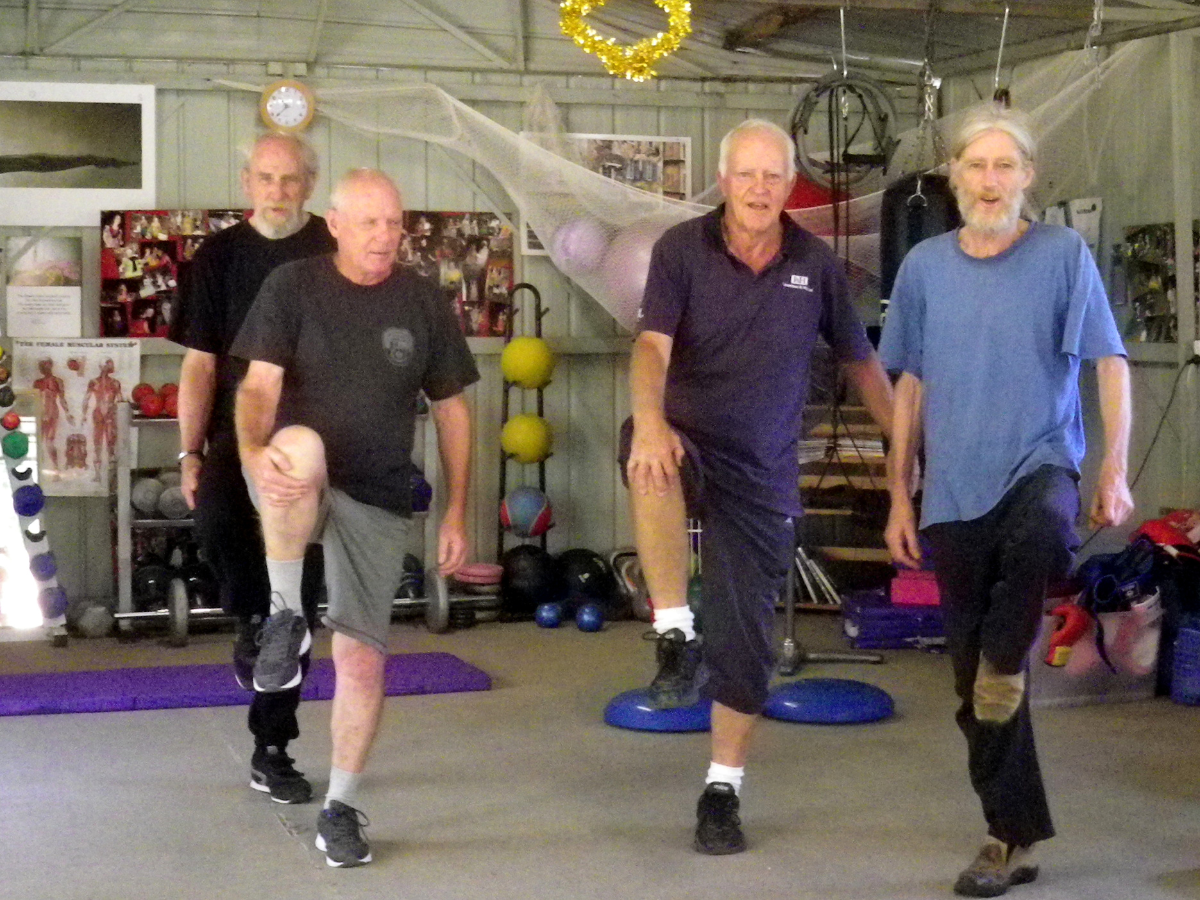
(987, 326)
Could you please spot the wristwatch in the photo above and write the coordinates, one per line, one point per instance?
(184, 454)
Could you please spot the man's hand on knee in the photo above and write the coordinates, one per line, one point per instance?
(655, 455)
(269, 467)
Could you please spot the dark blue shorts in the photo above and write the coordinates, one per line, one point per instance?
(746, 549)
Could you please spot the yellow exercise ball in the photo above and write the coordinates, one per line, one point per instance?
(527, 438)
(527, 362)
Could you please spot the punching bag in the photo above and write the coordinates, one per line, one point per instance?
(906, 218)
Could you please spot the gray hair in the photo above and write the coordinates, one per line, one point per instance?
(303, 150)
(761, 125)
(338, 195)
(994, 117)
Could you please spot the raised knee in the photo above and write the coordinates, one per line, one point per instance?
(997, 696)
(305, 451)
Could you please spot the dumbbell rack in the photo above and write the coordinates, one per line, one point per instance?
(178, 612)
(504, 408)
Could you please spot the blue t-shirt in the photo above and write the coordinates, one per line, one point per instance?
(739, 372)
(996, 343)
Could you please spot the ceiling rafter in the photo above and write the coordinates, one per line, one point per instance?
(91, 25)
(520, 53)
(445, 24)
(318, 26)
(32, 23)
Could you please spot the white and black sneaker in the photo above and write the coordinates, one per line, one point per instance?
(284, 638)
(340, 835)
(272, 772)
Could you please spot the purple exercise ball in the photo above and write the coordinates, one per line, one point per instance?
(578, 246)
(626, 265)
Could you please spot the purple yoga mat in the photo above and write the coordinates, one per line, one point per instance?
(176, 687)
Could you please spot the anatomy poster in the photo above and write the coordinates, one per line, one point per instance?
(78, 384)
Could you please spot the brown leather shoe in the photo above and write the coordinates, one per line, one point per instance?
(995, 869)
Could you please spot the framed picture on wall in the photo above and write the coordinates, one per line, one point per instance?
(657, 165)
(69, 151)
(470, 254)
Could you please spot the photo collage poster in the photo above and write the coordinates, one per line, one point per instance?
(143, 256)
(470, 254)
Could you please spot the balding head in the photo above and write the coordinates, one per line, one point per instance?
(366, 218)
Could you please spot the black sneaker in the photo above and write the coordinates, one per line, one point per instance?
(718, 828)
(283, 640)
(340, 835)
(678, 659)
(245, 651)
(272, 772)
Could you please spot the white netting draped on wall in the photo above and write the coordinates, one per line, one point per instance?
(599, 232)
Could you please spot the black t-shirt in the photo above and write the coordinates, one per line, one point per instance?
(219, 290)
(354, 359)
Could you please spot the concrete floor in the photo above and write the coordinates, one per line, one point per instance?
(522, 792)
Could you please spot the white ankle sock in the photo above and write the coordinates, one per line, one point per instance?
(728, 774)
(680, 617)
(286, 576)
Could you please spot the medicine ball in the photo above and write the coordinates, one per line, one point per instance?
(530, 577)
(588, 576)
(526, 512)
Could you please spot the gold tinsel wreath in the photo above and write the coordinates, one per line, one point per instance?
(635, 61)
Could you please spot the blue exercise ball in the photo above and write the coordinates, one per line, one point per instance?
(549, 615)
(589, 617)
(43, 566)
(28, 500)
(53, 602)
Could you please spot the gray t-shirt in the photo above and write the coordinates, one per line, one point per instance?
(996, 343)
(355, 358)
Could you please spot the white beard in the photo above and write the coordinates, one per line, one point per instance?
(275, 232)
(988, 225)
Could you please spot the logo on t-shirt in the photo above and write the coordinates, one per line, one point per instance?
(798, 283)
(398, 342)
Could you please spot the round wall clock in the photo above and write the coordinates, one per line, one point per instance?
(287, 105)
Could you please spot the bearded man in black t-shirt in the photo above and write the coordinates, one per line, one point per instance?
(227, 271)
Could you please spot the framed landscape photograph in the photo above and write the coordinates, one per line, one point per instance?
(68, 151)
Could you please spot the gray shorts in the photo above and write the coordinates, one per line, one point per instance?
(364, 564)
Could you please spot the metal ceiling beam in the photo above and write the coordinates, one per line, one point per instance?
(90, 26)
(520, 54)
(32, 21)
(1059, 44)
(447, 25)
(318, 26)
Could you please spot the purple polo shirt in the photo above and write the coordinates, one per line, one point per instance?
(742, 351)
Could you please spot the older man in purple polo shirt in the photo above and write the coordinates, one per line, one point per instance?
(734, 304)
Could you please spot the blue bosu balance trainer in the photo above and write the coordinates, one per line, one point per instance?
(634, 711)
(829, 701)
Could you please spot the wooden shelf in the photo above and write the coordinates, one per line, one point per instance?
(835, 479)
(856, 554)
